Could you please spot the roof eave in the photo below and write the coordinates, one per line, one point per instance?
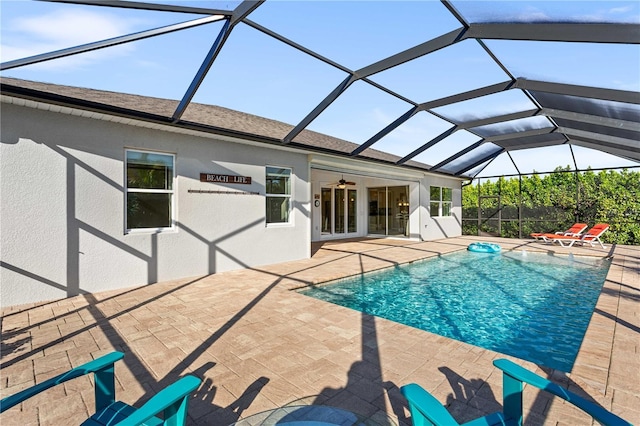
(97, 107)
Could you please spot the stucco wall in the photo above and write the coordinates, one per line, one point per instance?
(62, 228)
(421, 224)
(362, 183)
(434, 228)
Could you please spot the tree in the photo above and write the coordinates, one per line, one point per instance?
(557, 200)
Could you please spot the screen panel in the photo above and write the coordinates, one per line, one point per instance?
(604, 130)
(513, 126)
(466, 160)
(597, 107)
(492, 105)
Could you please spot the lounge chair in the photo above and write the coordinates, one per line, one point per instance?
(172, 400)
(426, 409)
(591, 237)
(575, 231)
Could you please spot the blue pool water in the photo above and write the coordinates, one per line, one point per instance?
(532, 306)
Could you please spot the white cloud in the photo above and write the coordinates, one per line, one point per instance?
(532, 14)
(72, 27)
(28, 36)
(616, 10)
(615, 14)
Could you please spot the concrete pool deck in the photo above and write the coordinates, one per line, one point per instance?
(256, 345)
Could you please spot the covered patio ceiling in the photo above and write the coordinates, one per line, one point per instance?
(458, 100)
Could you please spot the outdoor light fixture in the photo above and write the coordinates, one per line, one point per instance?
(342, 184)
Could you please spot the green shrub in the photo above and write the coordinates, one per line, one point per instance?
(554, 202)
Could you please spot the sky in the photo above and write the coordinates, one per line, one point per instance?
(257, 74)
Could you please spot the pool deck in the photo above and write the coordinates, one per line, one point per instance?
(256, 345)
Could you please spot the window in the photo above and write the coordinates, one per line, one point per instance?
(278, 194)
(149, 190)
(440, 201)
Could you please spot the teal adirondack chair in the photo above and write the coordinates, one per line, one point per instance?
(426, 410)
(172, 400)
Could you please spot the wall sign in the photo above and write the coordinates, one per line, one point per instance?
(213, 178)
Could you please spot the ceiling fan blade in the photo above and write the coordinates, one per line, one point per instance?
(342, 182)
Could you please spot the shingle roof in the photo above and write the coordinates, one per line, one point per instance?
(460, 118)
(209, 117)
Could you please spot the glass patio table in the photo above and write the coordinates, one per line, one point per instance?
(309, 415)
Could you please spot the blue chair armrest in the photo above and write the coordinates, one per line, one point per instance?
(514, 373)
(425, 408)
(102, 367)
(172, 400)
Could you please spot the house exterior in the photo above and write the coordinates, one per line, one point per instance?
(100, 191)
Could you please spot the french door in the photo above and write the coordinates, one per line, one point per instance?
(339, 211)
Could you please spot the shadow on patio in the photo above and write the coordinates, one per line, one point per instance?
(256, 345)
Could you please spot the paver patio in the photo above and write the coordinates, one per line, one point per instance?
(257, 345)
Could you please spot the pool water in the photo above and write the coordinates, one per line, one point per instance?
(533, 306)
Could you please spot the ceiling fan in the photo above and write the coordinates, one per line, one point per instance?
(343, 183)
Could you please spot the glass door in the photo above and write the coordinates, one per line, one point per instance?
(326, 198)
(352, 207)
(389, 210)
(377, 211)
(399, 211)
(339, 211)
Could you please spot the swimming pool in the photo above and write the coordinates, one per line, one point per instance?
(532, 306)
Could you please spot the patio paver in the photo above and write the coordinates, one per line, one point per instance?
(257, 345)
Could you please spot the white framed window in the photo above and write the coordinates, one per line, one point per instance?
(278, 195)
(440, 200)
(149, 190)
